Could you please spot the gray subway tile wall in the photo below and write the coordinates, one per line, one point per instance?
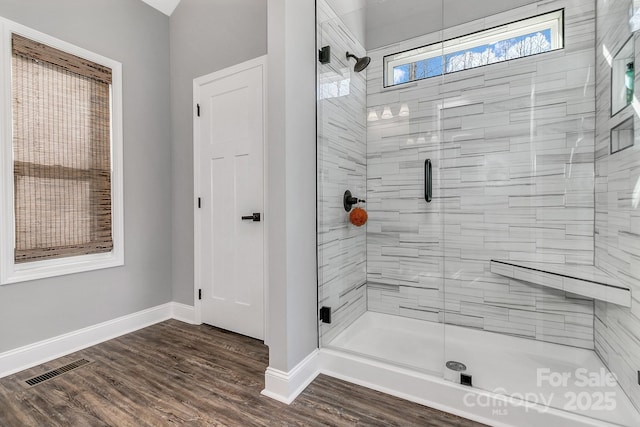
(617, 199)
(513, 151)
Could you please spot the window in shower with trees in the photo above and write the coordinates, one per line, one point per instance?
(531, 36)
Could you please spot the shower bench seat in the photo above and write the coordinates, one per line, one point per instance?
(585, 280)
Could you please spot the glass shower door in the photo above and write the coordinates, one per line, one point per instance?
(404, 238)
(518, 140)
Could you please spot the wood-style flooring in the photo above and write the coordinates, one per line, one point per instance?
(173, 373)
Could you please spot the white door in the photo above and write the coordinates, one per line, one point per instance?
(229, 139)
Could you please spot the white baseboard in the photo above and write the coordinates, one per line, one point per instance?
(184, 313)
(40, 352)
(286, 386)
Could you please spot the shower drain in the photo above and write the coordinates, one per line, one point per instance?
(456, 366)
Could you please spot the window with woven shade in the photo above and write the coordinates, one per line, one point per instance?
(61, 158)
(61, 147)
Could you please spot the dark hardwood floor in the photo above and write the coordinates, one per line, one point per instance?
(178, 374)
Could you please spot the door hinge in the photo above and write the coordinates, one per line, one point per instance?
(324, 55)
(199, 203)
(325, 314)
(198, 109)
(199, 293)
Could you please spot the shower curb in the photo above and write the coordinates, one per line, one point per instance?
(444, 395)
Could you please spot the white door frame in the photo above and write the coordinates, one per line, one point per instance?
(197, 259)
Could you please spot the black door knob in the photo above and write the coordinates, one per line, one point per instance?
(255, 217)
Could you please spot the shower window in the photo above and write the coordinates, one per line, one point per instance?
(531, 36)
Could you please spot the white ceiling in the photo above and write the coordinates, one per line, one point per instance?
(165, 6)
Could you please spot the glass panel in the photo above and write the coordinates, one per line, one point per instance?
(383, 280)
(341, 149)
(518, 176)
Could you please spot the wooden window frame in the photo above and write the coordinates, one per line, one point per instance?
(10, 271)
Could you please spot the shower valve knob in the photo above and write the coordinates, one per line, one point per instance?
(348, 200)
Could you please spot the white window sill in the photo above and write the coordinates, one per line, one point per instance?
(16, 273)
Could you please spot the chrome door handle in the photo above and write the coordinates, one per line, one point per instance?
(255, 217)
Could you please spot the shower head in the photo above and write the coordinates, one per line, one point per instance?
(361, 63)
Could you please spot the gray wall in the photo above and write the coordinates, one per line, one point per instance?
(291, 152)
(136, 35)
(617, 216)
(501, 189)
(206, 36)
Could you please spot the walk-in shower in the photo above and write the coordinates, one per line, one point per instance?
(494, 146)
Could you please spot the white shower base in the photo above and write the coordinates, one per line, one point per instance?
(501, 364)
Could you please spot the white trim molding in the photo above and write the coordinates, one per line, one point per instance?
(31, 355)
(286, 386)
(184, 313)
